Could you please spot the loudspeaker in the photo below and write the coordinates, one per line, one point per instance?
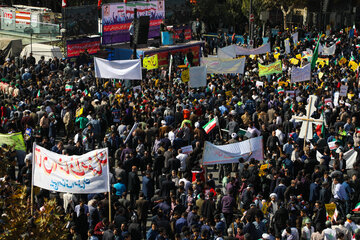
(141, 30)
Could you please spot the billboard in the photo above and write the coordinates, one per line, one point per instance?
(117, 17)
(81, 20)
(75, 47)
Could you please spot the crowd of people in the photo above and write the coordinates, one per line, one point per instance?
(158, 192)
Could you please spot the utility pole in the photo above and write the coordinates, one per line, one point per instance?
(251, 20)
(135, 36)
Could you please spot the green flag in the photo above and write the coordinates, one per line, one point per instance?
(316, 54)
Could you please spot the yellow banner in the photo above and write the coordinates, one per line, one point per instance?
(353, 65)
(330, 209)
(342, 61)
(15, 140)
(322, 61)
(270, 69)
(228, 93)
(151, 62)
(79, 112)
(185, 76)
(294, 61)
(262, 168)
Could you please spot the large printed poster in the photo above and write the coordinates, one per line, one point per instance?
(117, 18)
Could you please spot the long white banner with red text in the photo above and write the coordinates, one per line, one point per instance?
(88, 173)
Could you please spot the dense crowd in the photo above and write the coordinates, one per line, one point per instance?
(158, 192)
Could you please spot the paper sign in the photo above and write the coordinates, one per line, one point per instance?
(151, 62)
(336, 99)
(259, 84)
(137, 88)
(328, 102)
(187, 149)
(185, 76)
(343, 90)
(262, 168)
(228, 93)
(290, 93)
(321, 74)
(332, 145)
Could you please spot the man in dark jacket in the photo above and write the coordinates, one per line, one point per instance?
(314, 191)
(133, 185)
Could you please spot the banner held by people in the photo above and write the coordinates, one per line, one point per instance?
(272, 68)
(231, 153)
(88, 173)
(119, 69)
(14, 139)
(224, 66)
(301, 74)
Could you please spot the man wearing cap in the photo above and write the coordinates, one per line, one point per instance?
(307, 231)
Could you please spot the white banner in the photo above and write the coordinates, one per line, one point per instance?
(88, 173)
(231, 153)
(295, 37)
(119, 69)
(327, 51)
(256, 51)
(287, 46)
(222, 66)
(301, 74)
(233, 50)
(197, 77)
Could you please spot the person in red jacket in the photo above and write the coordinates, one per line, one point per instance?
(100, 227)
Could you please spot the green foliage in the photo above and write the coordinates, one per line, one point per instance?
(17, 222)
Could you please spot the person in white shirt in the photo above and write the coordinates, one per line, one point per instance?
(307, 230)
(294, 233)
(329, 233)
(182, 157)
(350, 225)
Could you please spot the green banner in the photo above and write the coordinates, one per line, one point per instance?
(270, 69)
(14, 139)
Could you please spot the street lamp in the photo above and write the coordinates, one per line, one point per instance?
(63, 36)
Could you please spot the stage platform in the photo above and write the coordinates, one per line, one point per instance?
(124, 52)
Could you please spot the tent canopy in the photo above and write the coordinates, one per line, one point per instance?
(39, 50)
(11, 47)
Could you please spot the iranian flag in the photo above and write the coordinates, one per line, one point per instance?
(68, 88)
(210, 125)
(280, 91)
(85, 92)
(357, 130)
(64, 3)
(186, 62)
(357, 46)
(357, 207)
(338, 41)
(38, 94)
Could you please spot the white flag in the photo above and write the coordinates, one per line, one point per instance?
(88, 173)
(119, 69)
(327, 51)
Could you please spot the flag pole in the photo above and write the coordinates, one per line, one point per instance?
(32, 182)
(109, 184)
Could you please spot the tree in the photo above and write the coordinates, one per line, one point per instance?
(286, 7)
(17, 222)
